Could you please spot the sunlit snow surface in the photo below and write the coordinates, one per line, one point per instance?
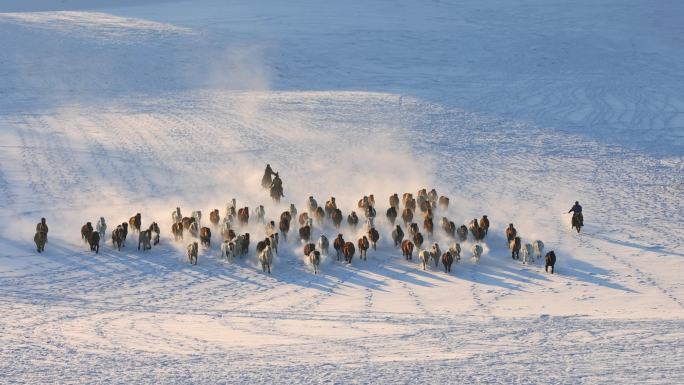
(514, 111)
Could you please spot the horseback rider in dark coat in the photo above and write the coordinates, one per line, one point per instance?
(576, 211)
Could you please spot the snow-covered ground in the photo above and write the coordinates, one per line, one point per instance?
(511, 110)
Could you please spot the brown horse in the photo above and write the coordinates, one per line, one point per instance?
(286, 215)
(86, 230)
(443, 203)
(309, 248)
(243, 216)
(406, 198)
(407, 216)
(177, 231)
(449, 227)
(205, 236)
(407, 249)
(392, 215)
(413, 229)
(511, 232)
(284, 226)
(348, 250)
(229, 235)
(484, 223)
(303, 218)
(429, 226)
(192, 253)
(135, 223)
(363, 247)
(94, 241)
(394, 201)
(330, 206)
(427, 214)
(214, 217)
(336, 217)
(338, 244)
(118, 236)
(374, 236)
(40, 239)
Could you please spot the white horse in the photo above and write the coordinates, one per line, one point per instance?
(231, 208)
(315, 260)
(101, 227)
(225, 224)
(266, 259)
(323, 244)
(538, 247)
(526, 253)
(198, 216)
(260, 213)
(274, 241)
(455, 251)
(424, 258)
(368, 224)
(228, 250)
(176, 215)
(477, 252)
(435, 253)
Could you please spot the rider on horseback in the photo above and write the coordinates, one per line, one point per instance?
(266, 180)
(277, 184)
(576, 211)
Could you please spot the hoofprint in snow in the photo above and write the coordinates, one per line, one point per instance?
(612, 312)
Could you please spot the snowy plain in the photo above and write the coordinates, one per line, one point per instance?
(512, 109)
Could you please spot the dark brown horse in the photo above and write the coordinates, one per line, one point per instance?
(374, 236)
(284, 226)
(192, 253)
(337, 217)
(305, 233)
(135, 222)
(338, 244)
(462, 233)
(94, 241)
(187, 221)
(550, 260)
(348, 250)
(177, 231)
(124, 226)
(484, 223)
(353, 220)
(397, 236)
(392, 215)
(205, 236)
(40, 238)
(418, 240)
(515, 245)
(229, 235)
(330, 206)
(319, 215)
(286, 215)
(363, 247)
(447, 261)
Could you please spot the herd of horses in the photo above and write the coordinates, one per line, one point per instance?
(233, 224)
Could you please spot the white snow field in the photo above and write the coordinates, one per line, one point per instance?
(514, 109)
